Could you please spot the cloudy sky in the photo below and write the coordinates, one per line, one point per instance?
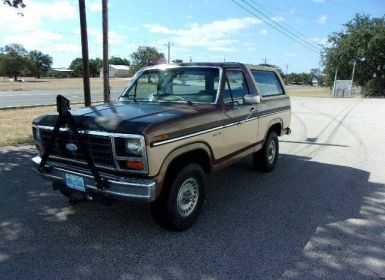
(206, 30)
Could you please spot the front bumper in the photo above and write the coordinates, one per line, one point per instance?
(119, 187)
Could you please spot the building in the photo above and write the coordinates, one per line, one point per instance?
(61, 72)
(117, 71)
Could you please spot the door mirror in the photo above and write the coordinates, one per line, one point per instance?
(252, 99)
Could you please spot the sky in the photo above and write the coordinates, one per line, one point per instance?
(203, 31)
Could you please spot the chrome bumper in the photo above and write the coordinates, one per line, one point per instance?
(119, 187)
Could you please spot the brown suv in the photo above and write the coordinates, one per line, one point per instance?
(170, 126)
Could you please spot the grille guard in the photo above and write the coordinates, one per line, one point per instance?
(65, 118)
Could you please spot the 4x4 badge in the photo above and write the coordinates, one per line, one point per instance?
(71, 147)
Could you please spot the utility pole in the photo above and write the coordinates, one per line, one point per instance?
(265, 60)
(106, 68)
(334, 84)
(84, 40)
(287, 66)
(169, 44)
(351, 86)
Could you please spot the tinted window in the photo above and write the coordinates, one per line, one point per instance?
(236, 87)
(267, 83)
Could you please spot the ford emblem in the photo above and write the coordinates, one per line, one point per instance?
(71, 147)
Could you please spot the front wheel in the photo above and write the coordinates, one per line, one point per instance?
(266, 158)
(180, 202)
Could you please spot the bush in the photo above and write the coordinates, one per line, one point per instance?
(375, 87)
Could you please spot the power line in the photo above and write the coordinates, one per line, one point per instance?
(274, 27)
(314, 18)
(294, 29)
(282, 27)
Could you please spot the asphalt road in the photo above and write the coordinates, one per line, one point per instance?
(319, 215)
(47, 97)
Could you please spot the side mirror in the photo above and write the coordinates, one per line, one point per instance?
(252, 99)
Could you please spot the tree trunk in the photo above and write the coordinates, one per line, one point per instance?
(15, 77)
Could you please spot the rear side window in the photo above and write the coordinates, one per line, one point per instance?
(267, 83)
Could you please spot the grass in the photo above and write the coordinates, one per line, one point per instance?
(54, 84)
(308, 91)
(15, 124)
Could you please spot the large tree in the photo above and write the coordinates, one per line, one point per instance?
(15, 3)
(118, 61)
(361, 42)
(146, 56)
(13, 60)
(77, 66)
(41, 62)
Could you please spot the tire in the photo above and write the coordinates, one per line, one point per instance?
(266, 159)
(180, 202)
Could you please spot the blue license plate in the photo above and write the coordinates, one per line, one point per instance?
(75, 182)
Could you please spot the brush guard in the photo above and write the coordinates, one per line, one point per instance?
(65, 118)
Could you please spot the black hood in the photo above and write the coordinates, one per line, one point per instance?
(123, 117)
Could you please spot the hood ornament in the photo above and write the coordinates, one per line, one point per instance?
(71, 147)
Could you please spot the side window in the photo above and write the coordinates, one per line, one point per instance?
(267, 83)
(236, 87)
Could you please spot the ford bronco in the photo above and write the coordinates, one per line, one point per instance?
(170, 126)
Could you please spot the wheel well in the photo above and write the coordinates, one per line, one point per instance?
(199, 157)
(196, 156)
(277, 128)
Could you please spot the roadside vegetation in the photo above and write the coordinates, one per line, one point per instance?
(15, 124)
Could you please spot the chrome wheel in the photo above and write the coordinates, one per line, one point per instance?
(271, 151)
(187, 197)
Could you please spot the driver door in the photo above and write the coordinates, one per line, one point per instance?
(240, 122)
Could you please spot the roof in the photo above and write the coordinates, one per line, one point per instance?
(213, 64)
(62, 69)
(120, 67)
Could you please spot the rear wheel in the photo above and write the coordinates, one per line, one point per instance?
(180, 202)
(266, 158)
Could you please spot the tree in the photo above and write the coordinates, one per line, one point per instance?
(362, 43)
(13, 60)
(118, 61)
(95, 65)
(14, 50)
(146, 56)
(15, 3)
(77, 66)
(41, 62)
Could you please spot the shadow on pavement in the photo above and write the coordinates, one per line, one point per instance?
(301, 221)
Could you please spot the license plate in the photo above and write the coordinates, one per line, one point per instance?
(75, 182)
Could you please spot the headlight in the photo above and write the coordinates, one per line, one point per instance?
(130, 147)
(134, 147)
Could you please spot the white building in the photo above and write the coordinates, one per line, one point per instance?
(117, 71)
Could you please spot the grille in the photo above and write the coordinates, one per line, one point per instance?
(99, 146)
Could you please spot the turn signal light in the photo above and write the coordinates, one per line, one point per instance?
(160, 137)
(135, 164)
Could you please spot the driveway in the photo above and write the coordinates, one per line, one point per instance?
(320, 214)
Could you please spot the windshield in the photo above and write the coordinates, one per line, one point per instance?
(181, 84)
